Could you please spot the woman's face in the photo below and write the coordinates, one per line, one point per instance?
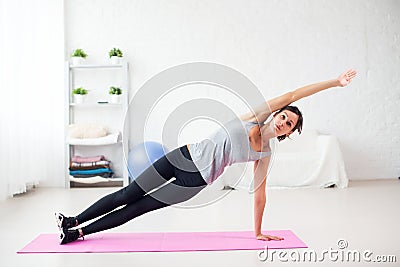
(284, 122)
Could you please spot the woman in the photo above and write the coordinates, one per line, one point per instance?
(197, 165)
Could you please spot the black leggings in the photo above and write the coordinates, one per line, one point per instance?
(135, 197)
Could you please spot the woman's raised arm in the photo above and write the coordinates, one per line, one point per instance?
(262, 112)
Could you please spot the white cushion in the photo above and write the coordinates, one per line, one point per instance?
(82, 131)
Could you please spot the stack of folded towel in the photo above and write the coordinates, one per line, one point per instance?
(86, 167)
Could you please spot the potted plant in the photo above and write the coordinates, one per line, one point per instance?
(115, 94)
(79, 95)
(78, 56)
(115, 55)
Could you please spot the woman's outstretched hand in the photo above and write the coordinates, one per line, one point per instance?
(345, 78)
(268, 237)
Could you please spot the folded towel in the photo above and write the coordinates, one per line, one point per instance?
(80, 159)
(89, 168)
(91, 180)
(74, 166)
(100, 174)
(85, 172)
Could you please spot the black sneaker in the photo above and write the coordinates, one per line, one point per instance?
(68, 236)
(65, 222)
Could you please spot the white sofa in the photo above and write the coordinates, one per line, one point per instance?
(308, 160)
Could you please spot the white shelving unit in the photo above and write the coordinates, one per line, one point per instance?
(97, 110)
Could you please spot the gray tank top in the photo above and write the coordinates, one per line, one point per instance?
(228, 145)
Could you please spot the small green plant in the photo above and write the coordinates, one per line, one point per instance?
(79, 53)
(115, 52)
(80, 91)
(115, 91)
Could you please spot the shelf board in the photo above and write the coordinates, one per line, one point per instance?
(96, 144)
(99, 184)
(111, 139)
(93, 145)
(91, 105)
(95, 180)
(102, 66)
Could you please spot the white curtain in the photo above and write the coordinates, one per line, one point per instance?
(32, 94)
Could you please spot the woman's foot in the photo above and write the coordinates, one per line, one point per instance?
(65, 222)
(68, 236)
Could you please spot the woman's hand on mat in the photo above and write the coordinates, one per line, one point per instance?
(346, 77)
(268, 237)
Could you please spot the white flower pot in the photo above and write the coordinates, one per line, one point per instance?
(79, 99)
(115, 60)
(115, 99)
(77, 60)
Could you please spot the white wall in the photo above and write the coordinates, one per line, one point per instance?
(279, 45)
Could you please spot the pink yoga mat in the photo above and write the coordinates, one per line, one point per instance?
(157, 242)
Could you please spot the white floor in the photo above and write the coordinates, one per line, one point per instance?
(366, 215)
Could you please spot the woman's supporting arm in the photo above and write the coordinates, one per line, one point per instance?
(260, 172)
(259, 194)
(262, 112)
